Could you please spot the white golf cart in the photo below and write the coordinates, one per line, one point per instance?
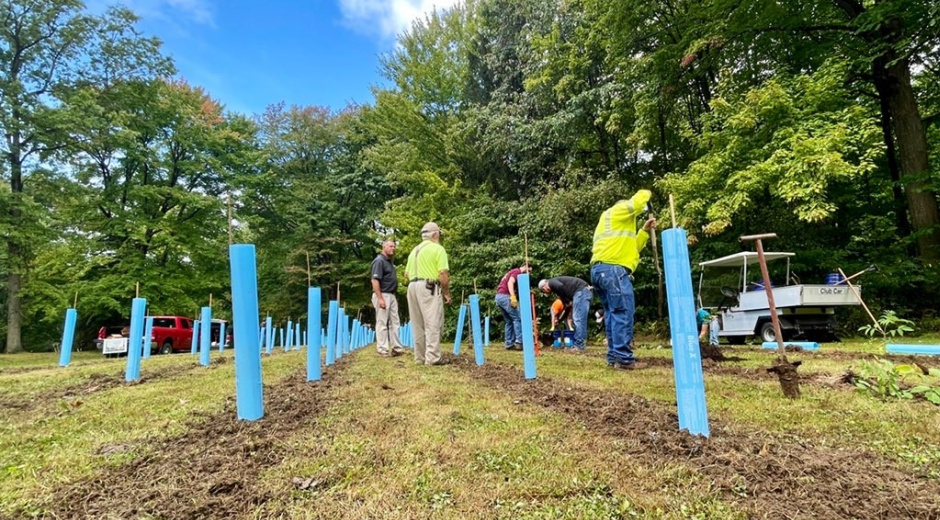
(805, 310)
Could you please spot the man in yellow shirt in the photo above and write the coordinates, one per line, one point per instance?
(428, 275)
(615, 255)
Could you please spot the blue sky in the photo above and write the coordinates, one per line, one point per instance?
(249, 54)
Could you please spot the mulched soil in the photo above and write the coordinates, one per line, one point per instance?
(767, 475)
(212, 470)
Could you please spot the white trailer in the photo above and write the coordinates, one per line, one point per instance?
(804, 310)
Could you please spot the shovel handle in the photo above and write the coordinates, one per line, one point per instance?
(751, 238)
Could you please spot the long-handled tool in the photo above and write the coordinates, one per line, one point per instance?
(859, 296)
(786, 371)
(845, 279)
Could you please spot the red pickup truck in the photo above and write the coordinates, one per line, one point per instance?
(170, 334)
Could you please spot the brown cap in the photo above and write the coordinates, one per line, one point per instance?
(430, 227)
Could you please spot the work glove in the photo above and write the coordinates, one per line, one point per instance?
(513, 302)
(553, 328)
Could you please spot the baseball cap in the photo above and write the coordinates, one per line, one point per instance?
(431, 227)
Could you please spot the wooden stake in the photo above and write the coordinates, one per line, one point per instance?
(526, 235)
(75, 302)
(210, 299)
(231, 234)
(672, 209)
(337, 293)
(659, 271)
(138, 290)
(475, 286)
(308, 268)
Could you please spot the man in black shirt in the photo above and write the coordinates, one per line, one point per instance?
(384, 285)
(577, 293)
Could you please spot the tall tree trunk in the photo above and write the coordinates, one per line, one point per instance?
(893, 80)
(891, 153)
(15, 280)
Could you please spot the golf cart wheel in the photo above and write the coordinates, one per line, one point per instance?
(167, 348)
(767, 333)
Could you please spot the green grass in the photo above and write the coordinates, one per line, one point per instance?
(407, 441)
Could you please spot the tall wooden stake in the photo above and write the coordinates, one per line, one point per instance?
(659, 272)
(308, 268)
(231, 233)
(672, 209)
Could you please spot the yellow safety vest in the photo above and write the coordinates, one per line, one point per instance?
(615, 238)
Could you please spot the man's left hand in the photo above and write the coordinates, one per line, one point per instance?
(650, 224)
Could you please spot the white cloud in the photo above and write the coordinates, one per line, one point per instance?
(388, 18)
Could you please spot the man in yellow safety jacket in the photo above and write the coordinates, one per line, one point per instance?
(614, 258)
(428, 274)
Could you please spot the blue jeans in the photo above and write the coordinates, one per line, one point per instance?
(512, 318)
(580, 309)
(614, 288)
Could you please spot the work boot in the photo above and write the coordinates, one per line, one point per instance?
(636, 365)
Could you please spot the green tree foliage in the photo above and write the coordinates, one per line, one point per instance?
(314, 195)
(46, 49)
(152, 161)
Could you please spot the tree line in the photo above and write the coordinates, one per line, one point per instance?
(512, 123)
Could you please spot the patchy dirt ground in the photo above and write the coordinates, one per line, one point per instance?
(770, 476)
(95, 382)
(211, 471)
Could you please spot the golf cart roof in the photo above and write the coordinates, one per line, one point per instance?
(743, 258)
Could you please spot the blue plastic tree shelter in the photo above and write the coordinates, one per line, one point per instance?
(686, 354)
(458, 337)
(132, 371)
(68, 337)
(195, 340)
(475, 328)
(248, 385)
(528, 338)
(205, 336)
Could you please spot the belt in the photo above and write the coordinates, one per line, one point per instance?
(424, 280)
(629, 271)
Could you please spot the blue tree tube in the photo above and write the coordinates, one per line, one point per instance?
(148, 334)
(331, 321)
(353, 337)
(195, 340)
(269, 331)
(314, 370)
(290, 335)
(528, 341)
(686, 353)
(475, 328)
(458, 337)
(280, 332)
(222, 337)
(132, 372)
(68, 337)
(248, 389)
(205, 336)
(486, 332)
(297, 336)
(340, 333)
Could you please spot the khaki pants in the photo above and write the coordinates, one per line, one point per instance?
(386, 324)
(427, 313)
